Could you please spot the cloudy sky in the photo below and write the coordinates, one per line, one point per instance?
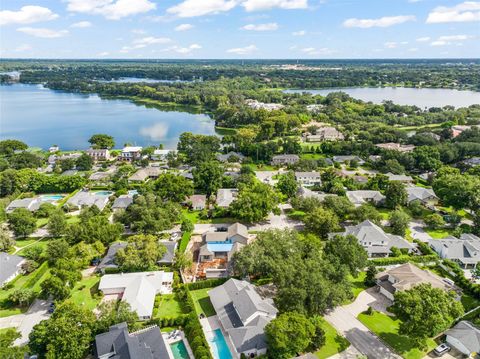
(239, 29)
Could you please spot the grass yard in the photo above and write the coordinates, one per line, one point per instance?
(73, 219)
(191, 215)
(184, 241)
(334, 343)
(167, 306)
(439, 233)
(358, 284)
(42, 244)
(387, 329)
(469, 302)
(85, 293)
(311, 156)
(202, 302)
(41, 222)
(384, 213)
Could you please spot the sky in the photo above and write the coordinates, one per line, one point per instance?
(230, 29)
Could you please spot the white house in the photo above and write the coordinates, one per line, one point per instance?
(32, 204)
(131, 153)
(10, 267)
(308, 178)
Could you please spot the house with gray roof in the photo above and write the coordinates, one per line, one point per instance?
(243, 315)
(465, 337)
(83, 199)
(118, 343)
(304, 192)
(122, 202)
(360, 197)
(225, 196)
(399, 178)
(237, 156)
(465, 251)
(219, 244)
(10, 267)
(32, 204)
(425, 195)
(343, 159)
(109, 260)
(285, 160)
(308, 178)
(376, 242)
(169, 256)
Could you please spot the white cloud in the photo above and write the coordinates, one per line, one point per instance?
(81, 24)
(184, 50)
(390, 44)
(150, 40)
(243, 50)
(111, 9)
(450, 39)
(192, 8)
(315, 51)
(103, 54)
(423, 39)
(22, 48)
(385, 21)
(256, 5)
(41, 32)
(139, 32)
(412, 49)
(184, 27)
(299, 33)
(26, 15)
(261, 27)
(465, 12)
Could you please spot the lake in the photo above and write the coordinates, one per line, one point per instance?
(41, 117)
(406, 96)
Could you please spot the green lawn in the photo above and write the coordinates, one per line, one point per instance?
(25, 242)
(358, 284)
(469, 302)
(184, 241)
(85, 293)
(73, 219)
(41, 222)
(191, 215)
(439, 233)
(167, 306)
(42, 244)
(387, 329)
(334, 343)
(202, 302)
(384, 213)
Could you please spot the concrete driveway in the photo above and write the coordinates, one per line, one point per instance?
(417, 229)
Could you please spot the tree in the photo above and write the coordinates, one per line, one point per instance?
(22, 296)
(198, 148)
(25, 160)
(346, 250)
(287, 184)
(45, 210)
(366, 211)
(340, 205)
(56, 249)
(6, 241)
(8, 147)
(399, 221)
(183, 260)
(321, 222)
(427, 158)
(187, 225)
(434, 221)
(55, 287)
(254, 203)
(370, 277)
(318, 338)
(22, 222)
(84, 162)
(207, 177)
(112, 312)
(7, 349)
(57, 223)
(170, 187)
(101, 141)
(289, 334)
(396, 195)
(67, 334)
(141, 253)
(425, 311)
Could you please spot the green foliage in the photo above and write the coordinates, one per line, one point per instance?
(287, 184)
(340, 205)
(175, 188)
(57, 223)
(207, 177)
(93, 228)
(6, 241)
(456, 189)
(434, 221)
(370, 280)
(198, 148)
(399, 221)
(321, 221)
(366, 211)
(84, 162)
(22, 222)
(8, 147)
(254, 203)
(102, 141)
(7, 349)
(346, 251)
(111, 313)
(141, 253)
(22, 297)
(187, 225)
(395, 194)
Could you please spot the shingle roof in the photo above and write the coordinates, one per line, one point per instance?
(467, 334)
(466, 249)
(8, 265)
(169, 255)
(109, 260)
(122, 201)
(419, 193)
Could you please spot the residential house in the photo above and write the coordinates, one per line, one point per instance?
(225, 196)
(11, 266)
(256, 105)
(161, 155)
(308, 178)
(118, 343)
(53, 149)
(376, 242)
(465, 251)
(304, 192)
(360, 197)
(458, 129)
(52, 159)
(198, 202)
(32, 204)
(138, 289)
(407, 276)
(108, 262)
(122, 202)
(169, 256)
(325, 134)
(424, 195)
(391, 146)
(100, 176)
(146, 173)
(285, 160)
(465, 337)
(100, 154)
(131, 153)
(243, 315)
(343, 159)
(237, 156)
(84, 198)
(399, 178)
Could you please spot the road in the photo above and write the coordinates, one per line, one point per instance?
(417, 231)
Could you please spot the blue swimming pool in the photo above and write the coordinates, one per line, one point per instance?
(51, 197)
(179, 350)
(103, 193)
(219, 346)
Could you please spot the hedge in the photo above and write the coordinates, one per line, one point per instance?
(424, 247)
(178, 321)
(461, 281)
(209, 283)
(403, 259)
(36, 277)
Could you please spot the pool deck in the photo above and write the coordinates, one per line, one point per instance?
(209, 325)
(179, 337)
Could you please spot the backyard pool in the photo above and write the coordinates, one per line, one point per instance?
(103, 193)
(179, 350)
(219, 346)
(51, 197)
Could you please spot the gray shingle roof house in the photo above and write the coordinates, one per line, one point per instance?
(342, 159)
(285, 159)
(360, 197)
(465, 251)
(169, 256)
(376, 242)
(243, 315)
(32, 204)
(465, 337)
(10, 267)
(109, 260)
(226, 157)
(87, 199)
(308, 193)
(400, 178)
(424, 195)
(225, 196)
(118, 343)
(122, 201)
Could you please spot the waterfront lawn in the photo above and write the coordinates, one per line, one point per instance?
(202, 302)
(334, 343)
(387, 329)
(85, 293)
(167, 306)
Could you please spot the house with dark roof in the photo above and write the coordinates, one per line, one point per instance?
(465, 337)
(109, 260)
(425, 195)
(122, 202)
(243, 315)
(118, 343)
(169, 256)
(465, 251)
(10, 267)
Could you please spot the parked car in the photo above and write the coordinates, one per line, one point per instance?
(441, 349)
(174, 236)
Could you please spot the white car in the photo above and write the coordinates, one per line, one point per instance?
(174, 236)
(441, 349)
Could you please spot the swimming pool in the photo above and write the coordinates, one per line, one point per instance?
(179, 350)
(51, 197)
(219, 346)
(103, 193)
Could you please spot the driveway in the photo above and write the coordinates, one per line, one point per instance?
(344, 319)
(280, 221)
(24, 323)
(417, 229)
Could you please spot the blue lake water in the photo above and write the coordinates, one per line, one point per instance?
(42, 117)
(420, 97)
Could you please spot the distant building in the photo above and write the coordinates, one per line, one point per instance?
(118, 343)
(83, 199)
(52, 159)
(399, 178)
(198, 201)
(285, 160)
(54, 149)
(304, 192)
(465, 251)
(146, 173)
(391, 146)
(343, 159)
(325, 134)
(458, 129)
(225, 197)
(360, 197)
(122, 202)
(100, 154)
(161, 155)
(256, 105)
(474, 161)
(169, 256)
(131, 153)
(425, 195)
(11, 266)
(32, 204)
(108, 262)
(231, 155)
(308, 178)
